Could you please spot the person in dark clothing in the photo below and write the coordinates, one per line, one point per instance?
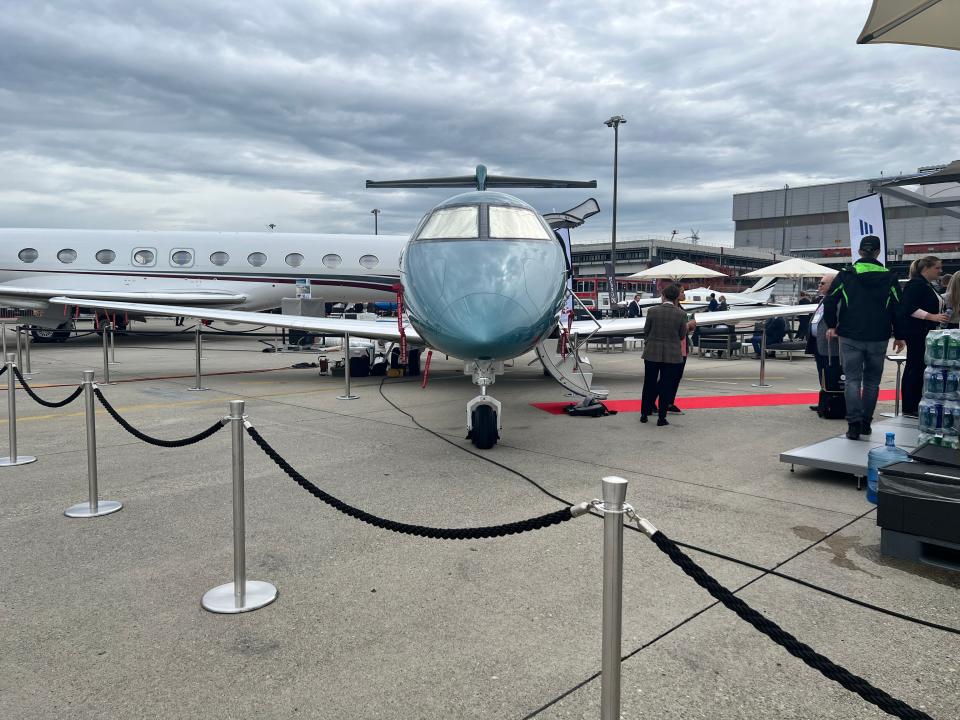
(713, 305)
(633, 309)
(664, 333)
(816, 335)
(862, 307)
(803, 322)
(776, 328)
(723, 304)
(922, 310)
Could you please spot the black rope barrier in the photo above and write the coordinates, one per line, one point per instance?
(203, 435)
(804, 652)
(47, 403)
(3, 369)
(476, 533)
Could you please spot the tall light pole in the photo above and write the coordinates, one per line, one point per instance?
(376, 228)
(615, 123)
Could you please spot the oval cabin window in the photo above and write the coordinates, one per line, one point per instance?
(28, 255)
(143, 257)
(105, 257)
(219, 258)
(294, 259)
(256, 259)
(67, 255)
(182, 257)
(332, 261)
(369, 261)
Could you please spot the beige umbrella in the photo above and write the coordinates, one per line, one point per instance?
(915, 22)
(792, 268)
(675, 270)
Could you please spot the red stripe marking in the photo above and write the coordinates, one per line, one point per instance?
(706, 402)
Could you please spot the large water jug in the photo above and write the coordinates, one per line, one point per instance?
(881, 457)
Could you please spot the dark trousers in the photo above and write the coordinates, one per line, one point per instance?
(911, 384)
(660, 383)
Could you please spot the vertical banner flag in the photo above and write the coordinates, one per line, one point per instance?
(866, 218)
(611, 285)
(564, 234)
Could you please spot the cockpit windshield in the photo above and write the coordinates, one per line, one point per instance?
(516, 223)
(452, 222)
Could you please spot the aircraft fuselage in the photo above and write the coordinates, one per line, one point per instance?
(261, 266)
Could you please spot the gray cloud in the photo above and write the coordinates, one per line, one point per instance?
(232, 115)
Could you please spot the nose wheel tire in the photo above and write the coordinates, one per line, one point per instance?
(484, 433)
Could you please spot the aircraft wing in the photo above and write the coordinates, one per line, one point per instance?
(15, 295)
(385, 329)
(631, 326)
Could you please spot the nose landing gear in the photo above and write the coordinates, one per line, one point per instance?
(483, 411)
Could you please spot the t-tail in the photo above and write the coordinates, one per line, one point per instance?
(762, 290)
(480, 180)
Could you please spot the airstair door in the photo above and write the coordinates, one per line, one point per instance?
(573, 370)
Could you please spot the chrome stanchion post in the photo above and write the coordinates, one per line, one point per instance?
(113, 344)
(614, 494)
(241, 595)
(27, 342)
(198, 381)
(13, 459)
(763, 360)
(347, 395)
(106, 352)
(19, 331)
(94, 507)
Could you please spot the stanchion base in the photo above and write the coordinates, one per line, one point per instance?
(82, 510)
(221, 598)
(760, 385)
(348, 397)
(197, 389)
(21, 460)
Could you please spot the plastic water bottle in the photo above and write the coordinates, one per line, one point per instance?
(934, 347)
(951, 387)
(928, 416)
(951, 348)
(881, 457)
(933, 382)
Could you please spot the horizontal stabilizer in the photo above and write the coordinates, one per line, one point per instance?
(482, 181)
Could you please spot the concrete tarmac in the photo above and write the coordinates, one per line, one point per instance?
(101, 618)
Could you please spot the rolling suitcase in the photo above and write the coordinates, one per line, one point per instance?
(832, 403)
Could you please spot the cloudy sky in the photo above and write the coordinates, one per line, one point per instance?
(210, 114)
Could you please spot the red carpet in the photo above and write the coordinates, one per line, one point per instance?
(708, 401)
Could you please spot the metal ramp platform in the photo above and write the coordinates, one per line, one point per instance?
(850, 456)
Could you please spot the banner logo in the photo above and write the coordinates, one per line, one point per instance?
(866, 228)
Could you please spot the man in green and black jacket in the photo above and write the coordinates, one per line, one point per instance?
(862, 308)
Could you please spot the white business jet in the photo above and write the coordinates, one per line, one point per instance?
(250, 271)
(484, 280)
(759, 294)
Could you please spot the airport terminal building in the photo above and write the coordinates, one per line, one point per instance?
(812, 222)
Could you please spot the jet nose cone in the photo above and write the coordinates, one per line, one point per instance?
(487, 325)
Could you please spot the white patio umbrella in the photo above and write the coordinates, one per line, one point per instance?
(918, 22)
(675, 270)
(792, 268)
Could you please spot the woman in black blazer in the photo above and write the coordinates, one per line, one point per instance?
(922, 309)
